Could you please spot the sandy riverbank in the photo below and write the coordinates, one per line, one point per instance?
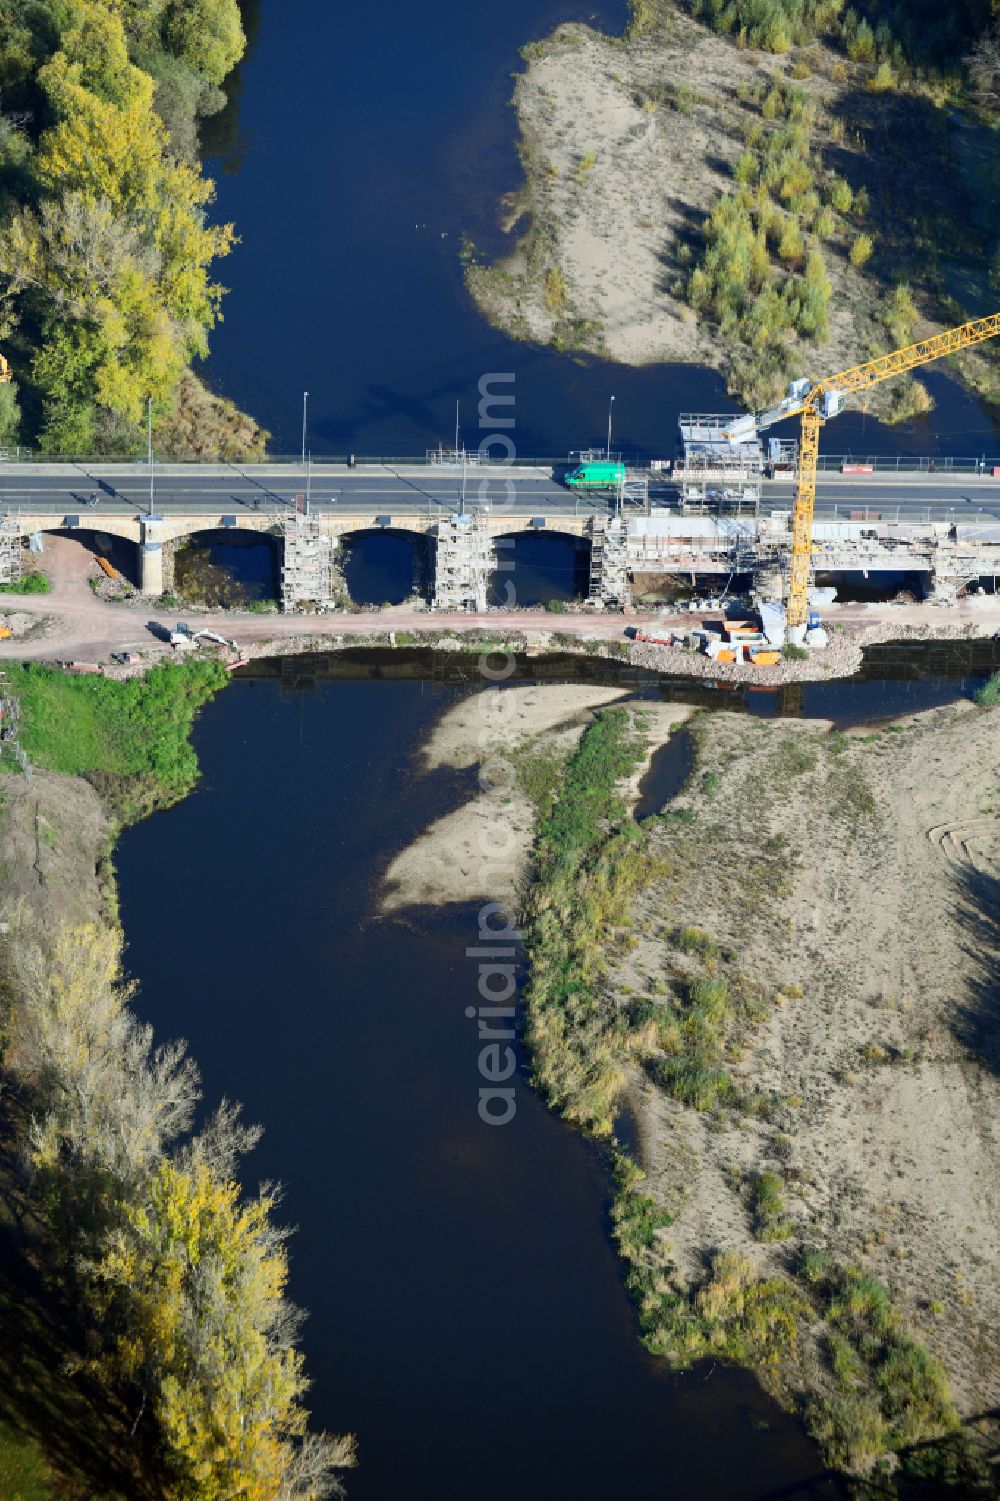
(454, 859)
(627, 142)
(481, 850)
(851, 890)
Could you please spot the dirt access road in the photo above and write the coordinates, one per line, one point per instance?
(78, 626)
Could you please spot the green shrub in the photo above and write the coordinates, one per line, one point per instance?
(861, 250)
(754, 301)
(861, 42)
(772, 25)
(767, 1198)
(841, 196)
(696, 941)
(28, 583)
(891, 1393)
(988, 697)
(736, 1315)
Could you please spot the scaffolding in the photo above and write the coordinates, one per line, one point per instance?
(463, 561)
(633, 491)
(714, 472)
(307, 567)
(10, 549)
(10, 727)
(609, 561)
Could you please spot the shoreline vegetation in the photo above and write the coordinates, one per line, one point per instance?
(733, 1250)
(141, 1288)
(731, 182)
(107, 293)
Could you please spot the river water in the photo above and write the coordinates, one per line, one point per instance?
(362, 142)
(467, 1315)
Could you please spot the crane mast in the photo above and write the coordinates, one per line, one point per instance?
(815, 403)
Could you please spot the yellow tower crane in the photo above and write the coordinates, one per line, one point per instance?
(814, 404)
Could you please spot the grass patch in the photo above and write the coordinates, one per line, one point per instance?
(590, 858)
(851, 796)
(988, 697)
(890, 1393)
(737, 1315)
(130, 739)
(24, 1472)
(28, 583)
(767, 1197)
(538, 768)
(793, 757)
(693, 1038)
(696, 941)
(792, 652)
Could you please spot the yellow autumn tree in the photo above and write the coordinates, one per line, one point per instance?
(193, 1283)
(113, 264)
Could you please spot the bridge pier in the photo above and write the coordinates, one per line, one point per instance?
(464, 558)
(307, 566)
(609, 578)
(151, 567)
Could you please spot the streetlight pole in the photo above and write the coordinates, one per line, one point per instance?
(149, 434)
(305, 408)
(309, 475)
(611, 404)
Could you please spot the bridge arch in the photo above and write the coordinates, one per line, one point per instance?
(111, 551)
(386, 565)
(224, 566)
(542, 565)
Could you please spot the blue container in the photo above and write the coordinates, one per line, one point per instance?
(813, 620)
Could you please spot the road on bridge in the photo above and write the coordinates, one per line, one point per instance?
(43, 489)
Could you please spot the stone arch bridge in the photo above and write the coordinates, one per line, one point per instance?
(468, 547)
(465, 546)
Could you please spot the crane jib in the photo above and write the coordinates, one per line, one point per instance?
(813, 404)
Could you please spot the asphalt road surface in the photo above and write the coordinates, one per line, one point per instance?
(221, 489)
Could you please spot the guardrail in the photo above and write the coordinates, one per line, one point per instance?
(898, 463)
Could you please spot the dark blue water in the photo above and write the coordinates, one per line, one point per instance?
(219, 569)
(385, 567)
(467, 1315)
(364, 141)
(541, 568)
